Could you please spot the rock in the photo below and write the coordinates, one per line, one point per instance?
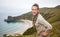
(9, 19)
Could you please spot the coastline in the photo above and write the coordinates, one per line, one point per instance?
(29, 25)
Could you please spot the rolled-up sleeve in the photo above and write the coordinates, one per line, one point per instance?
(44, 22)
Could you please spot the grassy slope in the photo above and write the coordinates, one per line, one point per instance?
(55, 21)
(56, 29)
(56, 17)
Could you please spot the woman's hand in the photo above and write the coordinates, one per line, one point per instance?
(45, 33)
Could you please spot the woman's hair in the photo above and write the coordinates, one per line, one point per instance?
(36, 5)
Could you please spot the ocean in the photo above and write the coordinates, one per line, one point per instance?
(10, 28)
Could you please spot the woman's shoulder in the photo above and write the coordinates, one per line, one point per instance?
(40, 16)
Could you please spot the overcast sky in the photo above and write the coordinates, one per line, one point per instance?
(24, 5)
(28, 3)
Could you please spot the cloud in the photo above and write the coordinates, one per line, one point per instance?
(28, 3)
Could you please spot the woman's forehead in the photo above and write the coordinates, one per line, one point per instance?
(34, 7)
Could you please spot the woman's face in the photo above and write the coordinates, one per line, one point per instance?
(34, 10)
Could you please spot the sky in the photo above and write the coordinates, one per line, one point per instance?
(13, 5)
(28, 3)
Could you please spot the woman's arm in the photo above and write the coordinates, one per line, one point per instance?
(46, 24)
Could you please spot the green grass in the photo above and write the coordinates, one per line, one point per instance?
(56, 29)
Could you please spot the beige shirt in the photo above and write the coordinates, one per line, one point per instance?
(41, 24)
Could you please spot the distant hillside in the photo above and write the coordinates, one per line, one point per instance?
(58, 6)
(43, 11)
